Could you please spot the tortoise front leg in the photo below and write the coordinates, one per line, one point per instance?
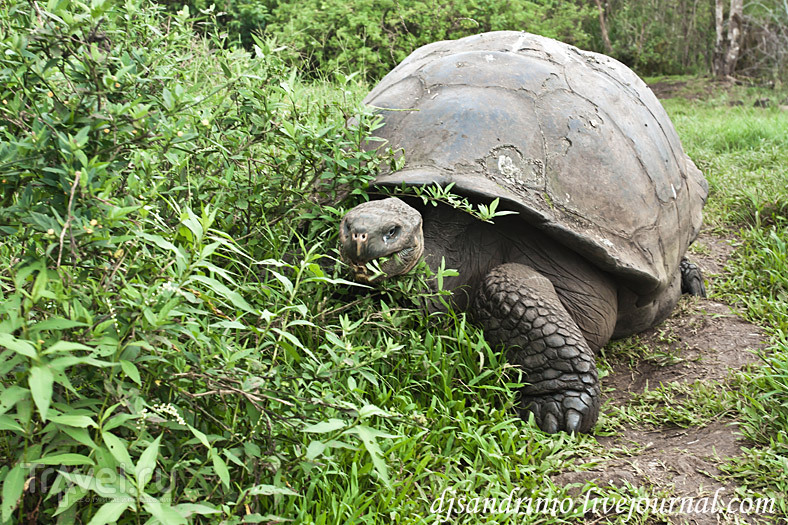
(519, 308)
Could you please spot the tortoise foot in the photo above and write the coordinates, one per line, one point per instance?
(566, 411)
(691, 279)
(519, 308)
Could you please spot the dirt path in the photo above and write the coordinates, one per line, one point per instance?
(703, 341)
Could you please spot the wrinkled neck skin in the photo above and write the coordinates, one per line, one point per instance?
(473, 248)
(466, 244)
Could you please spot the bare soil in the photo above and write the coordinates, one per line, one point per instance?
(704, 340)
(691, 90)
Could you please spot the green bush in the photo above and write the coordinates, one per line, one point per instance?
(151, 187)
(234, 21)
(644, 35)
(374, 36)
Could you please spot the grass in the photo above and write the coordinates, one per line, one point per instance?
(743, 151)
(675, 404)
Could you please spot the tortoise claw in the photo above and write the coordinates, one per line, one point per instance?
(561, 411)
(691, 279)
(549, 424)
(574, 420)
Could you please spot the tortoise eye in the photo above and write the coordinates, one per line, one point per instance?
(393, 231)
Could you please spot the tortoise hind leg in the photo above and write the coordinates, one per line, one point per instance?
(519, 308)
(691, 279)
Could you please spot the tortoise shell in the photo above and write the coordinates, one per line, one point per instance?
(572, 140)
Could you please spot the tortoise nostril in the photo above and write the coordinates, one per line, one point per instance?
(356, 236)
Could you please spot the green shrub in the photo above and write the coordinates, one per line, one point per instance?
(374, 36)
(149, 325)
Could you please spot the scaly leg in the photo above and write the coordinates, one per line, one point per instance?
(519, 308)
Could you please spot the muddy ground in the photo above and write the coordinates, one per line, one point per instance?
(704, 341)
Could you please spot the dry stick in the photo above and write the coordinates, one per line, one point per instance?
(39, 16)
(67, 225)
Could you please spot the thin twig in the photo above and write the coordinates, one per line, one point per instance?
(67, 225)
(39, 16)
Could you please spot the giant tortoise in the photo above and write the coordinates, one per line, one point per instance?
(607, 204)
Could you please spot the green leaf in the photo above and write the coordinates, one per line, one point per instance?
(221, 468)
(117, 421)
(169, 102)
(40, 382)
(73, 420)
(119, 450)
(61, 363)
(110, 512)
(9, 360)
(271, 490)
(143, 472)
(188, 509)
(40, 285)
(11, 396)
(193, 223)
(286, 283)
(368, 436)
(103, 488)
(199, 435)
(57, 323)
(72, 495)
(13, 485)
(130, 369)
(371, 410)
(325, 426)
(315, 450)
(68, 459)
(67, 346)
(8, 423)
(18, 345)
(161, 242)
(82, 136)
(222, 290)
(163, 512)
(80, 435)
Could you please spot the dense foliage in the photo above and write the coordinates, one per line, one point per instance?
(176, 342)
(654, 38)
(659, 38)
(373, 35)
(158, 348)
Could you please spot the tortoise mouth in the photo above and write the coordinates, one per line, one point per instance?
(397, 263)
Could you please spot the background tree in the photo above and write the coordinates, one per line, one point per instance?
(764, 49)
(727, 47)
(603, 28)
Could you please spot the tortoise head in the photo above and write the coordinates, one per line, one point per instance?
(387, 229)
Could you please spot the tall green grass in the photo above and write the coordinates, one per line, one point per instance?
(742, 150)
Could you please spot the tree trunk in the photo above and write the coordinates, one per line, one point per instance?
(603, 28)
(727, 46)
(718, 62)
(734, 36)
